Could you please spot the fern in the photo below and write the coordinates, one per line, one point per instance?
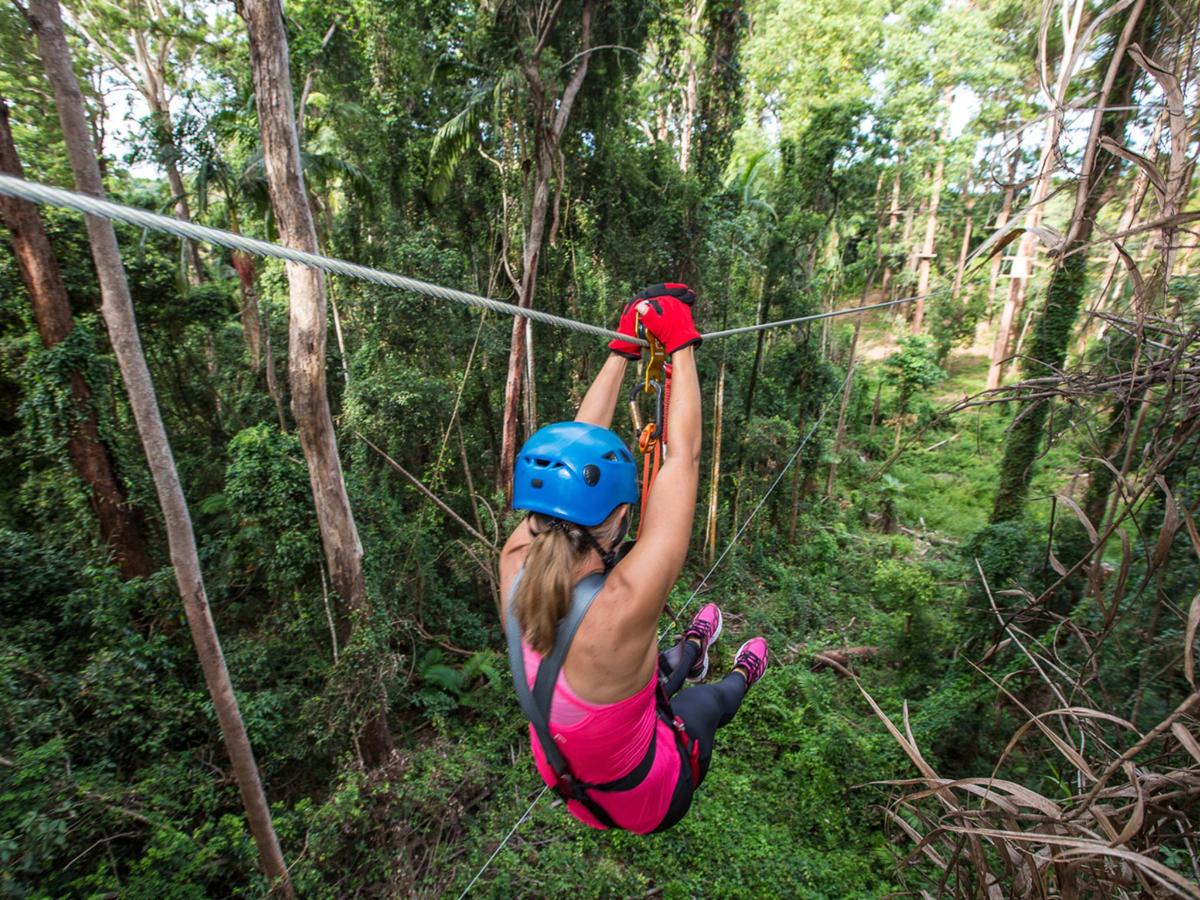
(459, 134)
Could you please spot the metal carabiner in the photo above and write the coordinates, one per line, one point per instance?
(651, 387)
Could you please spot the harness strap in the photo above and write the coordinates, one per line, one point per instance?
(536, 703)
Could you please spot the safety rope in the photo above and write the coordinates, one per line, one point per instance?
(507, 837)
(703, 581)
(754, 512)
(46, 195)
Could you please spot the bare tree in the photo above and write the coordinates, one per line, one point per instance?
(308, 330)
(550, 115)
(45, 18)
(120, 526)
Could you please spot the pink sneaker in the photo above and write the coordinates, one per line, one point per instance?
(752, 659)
(706, 628)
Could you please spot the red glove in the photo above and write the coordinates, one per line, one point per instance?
(627, 326)
(669, 319)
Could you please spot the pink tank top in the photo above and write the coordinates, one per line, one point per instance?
(604, 742)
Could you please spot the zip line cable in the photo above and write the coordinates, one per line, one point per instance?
(733, 541)
(106, 209)
(46, 195)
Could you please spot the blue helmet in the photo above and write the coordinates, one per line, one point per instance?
(574, 471)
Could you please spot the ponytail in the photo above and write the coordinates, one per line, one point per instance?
(543, 596)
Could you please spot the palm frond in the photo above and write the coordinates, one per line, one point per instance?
(459, 134)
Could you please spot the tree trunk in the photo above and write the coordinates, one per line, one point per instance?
(550, 116)
(153, 88)
(885, 286)
(968, 227)
(256, 329)
(840, 435)
(760, 316)
(694, 9)
(998, 259)
(308, 330)
(1110, 284)
(1064, 294)
(714, 484)
(120, 526)
(798, 478)
(46, 20)
(935, 196)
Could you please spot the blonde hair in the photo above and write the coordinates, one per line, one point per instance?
(544, 593)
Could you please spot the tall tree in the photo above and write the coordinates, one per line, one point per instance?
(308, 329)
(1068, 279)
(1071, 14)
(929, 247)
(45, 18)
(120, 526)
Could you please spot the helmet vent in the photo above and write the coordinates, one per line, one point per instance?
(611, 456)
(625, 456)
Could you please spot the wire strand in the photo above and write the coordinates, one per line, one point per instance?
(502, 844)
(106, 209)
(746, 524)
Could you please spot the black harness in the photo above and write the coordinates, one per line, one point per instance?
(535, 704)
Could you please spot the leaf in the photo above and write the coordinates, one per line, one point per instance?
(1150, 170)
(1081, 516)
(1189, 642)
(1170, 526)
(1185, 739)
(458, 135)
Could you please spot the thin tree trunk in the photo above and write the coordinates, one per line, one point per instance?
(256, 329)
(191, 249)
(998, 259)
(840, 435)
(910, 265)
(550, 116)
(1022, 269)
(893, 217)
(759, 317)
(714, 484)
(308, 331)
(968, 227)
(117, 309)
(797, 479)
(691, 90)
(928, 249)
(1064, 293)
(120, 526)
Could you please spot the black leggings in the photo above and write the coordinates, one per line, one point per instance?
(704, 707)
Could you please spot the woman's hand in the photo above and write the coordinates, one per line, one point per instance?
(669, 318)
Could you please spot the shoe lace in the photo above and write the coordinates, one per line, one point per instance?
(700, 628)
(752, 662)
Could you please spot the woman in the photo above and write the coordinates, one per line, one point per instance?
(608, 730)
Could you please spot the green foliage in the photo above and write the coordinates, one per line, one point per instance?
(269, 508)
(913, 368)
(445, 687)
